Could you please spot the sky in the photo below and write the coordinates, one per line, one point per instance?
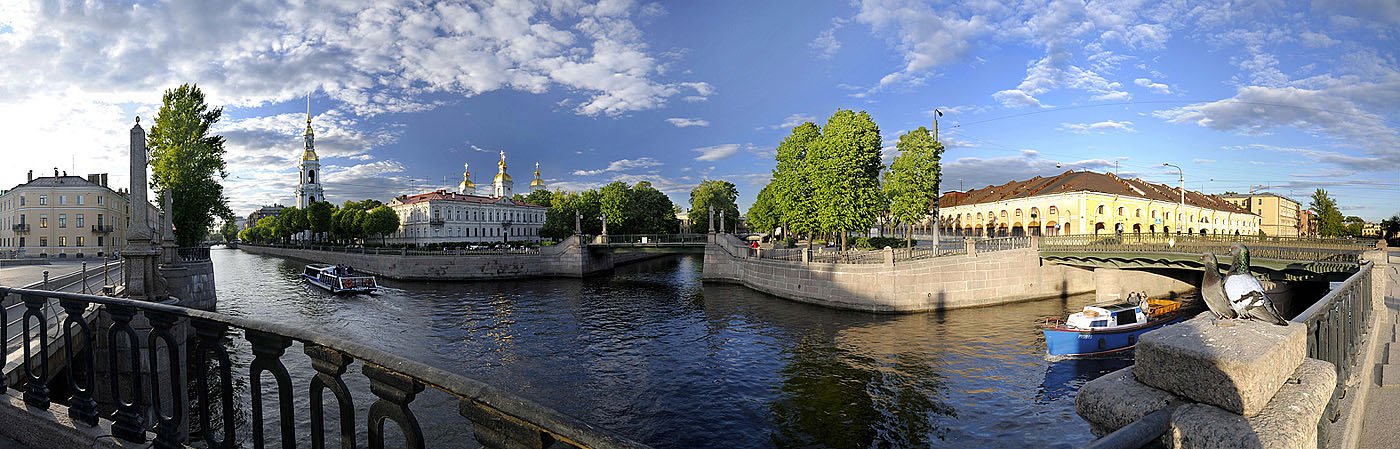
(1281, 97)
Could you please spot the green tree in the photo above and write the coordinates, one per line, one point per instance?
(615, 205)
(1355, 226)
(539, 198)
(1329, 219)
(318, 217)
(559, 219)
(763, 214)
(291, 221)
(229, 230)
(383, 221)
(1390, 227)
(793, 198)
(188, 162)
(720, 194)
(846, 174)
(653, 212)
(911, 183)
(364, 205)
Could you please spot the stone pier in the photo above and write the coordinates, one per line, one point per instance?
(1246, 385)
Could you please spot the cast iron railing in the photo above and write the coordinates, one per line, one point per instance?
(499, 419)
(650, 239)
(20, 227)
(103, 228)
(194, 254)
(1280, 248)
(1336, 325)
(1002, 243)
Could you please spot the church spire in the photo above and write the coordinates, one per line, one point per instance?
(310, 136)
(466, 187)
(537, 184)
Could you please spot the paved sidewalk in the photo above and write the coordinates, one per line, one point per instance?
(1382, 414)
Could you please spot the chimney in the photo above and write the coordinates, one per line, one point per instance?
(104, 180)
(31, 176)
(93, 178)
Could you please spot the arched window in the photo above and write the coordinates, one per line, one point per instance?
(1052, 210)
(1035, 212)
(1137, 213)
(979, 216)
(1154, 214)
(1018, 213)
(1122, 210)
(1003, 213)
(1099, 210)
(311, 178)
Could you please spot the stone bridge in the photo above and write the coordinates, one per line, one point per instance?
(1277, 258)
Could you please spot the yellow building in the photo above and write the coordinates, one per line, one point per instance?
(1281, 217)
(62, 216)
(1088, 203)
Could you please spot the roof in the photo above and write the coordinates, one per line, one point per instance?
(60, 181)
(1256, 195)
(1085, 181)
(443, 195)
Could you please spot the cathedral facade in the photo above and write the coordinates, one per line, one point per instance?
(463, 216)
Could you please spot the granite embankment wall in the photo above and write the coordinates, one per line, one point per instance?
(568, 259)
(939, 283)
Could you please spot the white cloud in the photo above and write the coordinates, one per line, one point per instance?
(1317, 40)
(621, 165)
(791, 121)
(716, 152)
(1101, 127)
(687, 122)
(826, 45)
(1155, 87)
(1203, 161)
(1016, 98)
(927, 37)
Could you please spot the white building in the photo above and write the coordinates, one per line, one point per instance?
(308, 187)
(463, 216)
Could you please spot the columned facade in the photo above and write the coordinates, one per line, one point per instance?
(450, 217)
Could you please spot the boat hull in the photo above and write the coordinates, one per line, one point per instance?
(1075, 342)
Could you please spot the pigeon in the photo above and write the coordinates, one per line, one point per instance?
(1245, 293)
(1213, 292)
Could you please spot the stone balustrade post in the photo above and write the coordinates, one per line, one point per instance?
(806, 256)
(889, 257)
(970, 246)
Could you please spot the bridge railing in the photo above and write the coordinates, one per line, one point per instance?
(1281, 248)
(194, 254)
(651, 239)
(499, 419)
(1002, 243)
(1336, 325)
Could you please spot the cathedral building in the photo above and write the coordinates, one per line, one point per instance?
(462, 216)
(309, 188)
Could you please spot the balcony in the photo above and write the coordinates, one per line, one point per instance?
(102, 228)
(22, 227)
(436, 221)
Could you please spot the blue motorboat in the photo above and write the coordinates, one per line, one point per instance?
(1108, 327)
(339, 279)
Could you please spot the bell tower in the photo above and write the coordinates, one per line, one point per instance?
(502, 186)
(309, 187)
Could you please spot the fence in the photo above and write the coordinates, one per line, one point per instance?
(650, 239)
(194, 254)
(1281, 248)
(498, 418)
(470, 250)
(1002, 243)
(1336, 325)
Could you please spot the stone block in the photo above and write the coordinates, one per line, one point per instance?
(1393, 353)
(1117, 399)
(1237, 368)
(1390, 375)
(1288, 421)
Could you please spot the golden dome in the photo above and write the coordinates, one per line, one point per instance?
(309, 155)
(537, 182)
(466, 177)
(502, 176)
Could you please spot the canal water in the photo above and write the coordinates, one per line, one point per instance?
(658, 356)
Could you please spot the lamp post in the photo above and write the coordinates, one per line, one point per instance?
(1182, 179)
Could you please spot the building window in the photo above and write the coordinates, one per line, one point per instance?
(21, 202)
(43, 200)
(1137, 213)
(43, 220)
(62, 241)
(99, 240)
(62, 199)
(1099, 210)
(99, 219)
(43, 241)
(80, 222)
(80, 201)
(62, 220)
(80, 241)
(99, 199)
(1154, 214)
(1052, 210)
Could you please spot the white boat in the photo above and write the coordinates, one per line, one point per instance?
(339, 279)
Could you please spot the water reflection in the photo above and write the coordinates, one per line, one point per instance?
(659, 356)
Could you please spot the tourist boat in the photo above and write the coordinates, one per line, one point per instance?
(1108, 327)
(338, 279)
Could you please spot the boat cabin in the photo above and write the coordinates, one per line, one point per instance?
(1104, 315)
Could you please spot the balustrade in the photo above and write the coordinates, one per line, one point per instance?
(499, 419)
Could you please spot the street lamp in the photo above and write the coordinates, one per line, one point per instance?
(1181, 177)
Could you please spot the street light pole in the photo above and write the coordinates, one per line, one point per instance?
(1181, 177)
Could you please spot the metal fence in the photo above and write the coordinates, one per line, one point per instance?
(194, 254)
(1002, 243)
(1281, 248)
(1336, 325)
(498, 419)
(651, 239)
(470, 250)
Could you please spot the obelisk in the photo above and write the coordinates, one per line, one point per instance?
(140, 270)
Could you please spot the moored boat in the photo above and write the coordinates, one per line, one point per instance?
(339, 279)
(1108, 327)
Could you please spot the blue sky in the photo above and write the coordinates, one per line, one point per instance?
(1288, 95)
